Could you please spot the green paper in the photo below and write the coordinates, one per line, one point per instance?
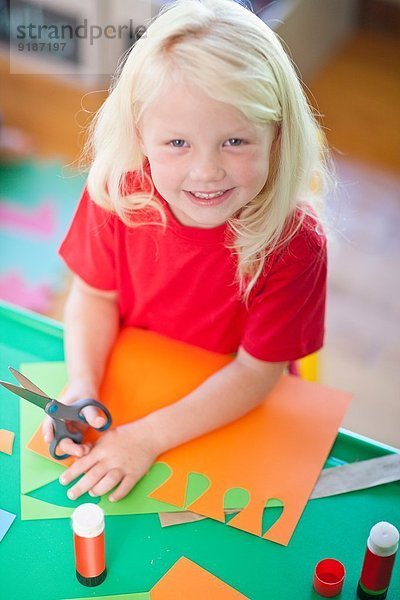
(6, 520)
(271, 516)
(31, 509)
(55, 493)
(197, 485)
(50, 377)
(137, 502)
(36, 470)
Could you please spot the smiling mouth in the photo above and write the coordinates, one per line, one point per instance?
(208, 195)
(209, 198)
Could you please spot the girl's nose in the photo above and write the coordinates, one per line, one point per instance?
(207, 169)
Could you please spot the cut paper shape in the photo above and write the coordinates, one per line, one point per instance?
(337, 480)
(6, 441)
(38, 445)
(283, 446)
(188, 580)
(55, 494)
(283, 443)
(138, 501)
(6, 520)
(179, 518)
(186, 516)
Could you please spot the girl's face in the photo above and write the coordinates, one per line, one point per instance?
(206, 159)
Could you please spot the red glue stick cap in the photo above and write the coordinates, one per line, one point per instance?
(329, 576)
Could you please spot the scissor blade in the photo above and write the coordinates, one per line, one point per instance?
(37, 399)
(27, 383)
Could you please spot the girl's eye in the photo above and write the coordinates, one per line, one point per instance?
(235, 141)
(177, 143)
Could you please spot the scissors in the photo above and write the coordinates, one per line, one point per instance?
(59, 413)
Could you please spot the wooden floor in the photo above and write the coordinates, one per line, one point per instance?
(54, 112)
(358, 94)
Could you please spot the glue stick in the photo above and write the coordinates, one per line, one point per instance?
(382, 546)
(89, 545)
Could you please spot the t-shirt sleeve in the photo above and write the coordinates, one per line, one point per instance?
(88, 248)
(286, 316)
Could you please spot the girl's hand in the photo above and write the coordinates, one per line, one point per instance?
(73, 393)
(120, 458)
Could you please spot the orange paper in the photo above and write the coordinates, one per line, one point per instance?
(276, 451)
(6, 441)
(187, 580)
(39, 446)
(143, 375)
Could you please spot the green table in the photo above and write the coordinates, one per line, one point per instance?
(36, 557)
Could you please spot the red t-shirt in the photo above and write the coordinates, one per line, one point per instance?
(180, 282)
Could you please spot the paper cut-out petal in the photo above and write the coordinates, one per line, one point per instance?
(6, 520)
(6, 441)
(185, 579)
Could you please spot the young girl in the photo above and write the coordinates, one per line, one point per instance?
(195, 223)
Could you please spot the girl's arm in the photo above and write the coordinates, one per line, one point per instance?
(91, 325)
(224, 397)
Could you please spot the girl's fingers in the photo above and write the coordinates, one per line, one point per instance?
(86, 448)
(67, 446)
(94, 417)
(107, 483)
(47, 430)
(87, 482)
(78, 468)
(123, 489)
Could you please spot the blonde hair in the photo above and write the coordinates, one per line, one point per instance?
(234, 57)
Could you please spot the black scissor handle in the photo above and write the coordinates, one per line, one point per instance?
(62, 413)
(81, 404)
(73, 412)
(61, 431)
